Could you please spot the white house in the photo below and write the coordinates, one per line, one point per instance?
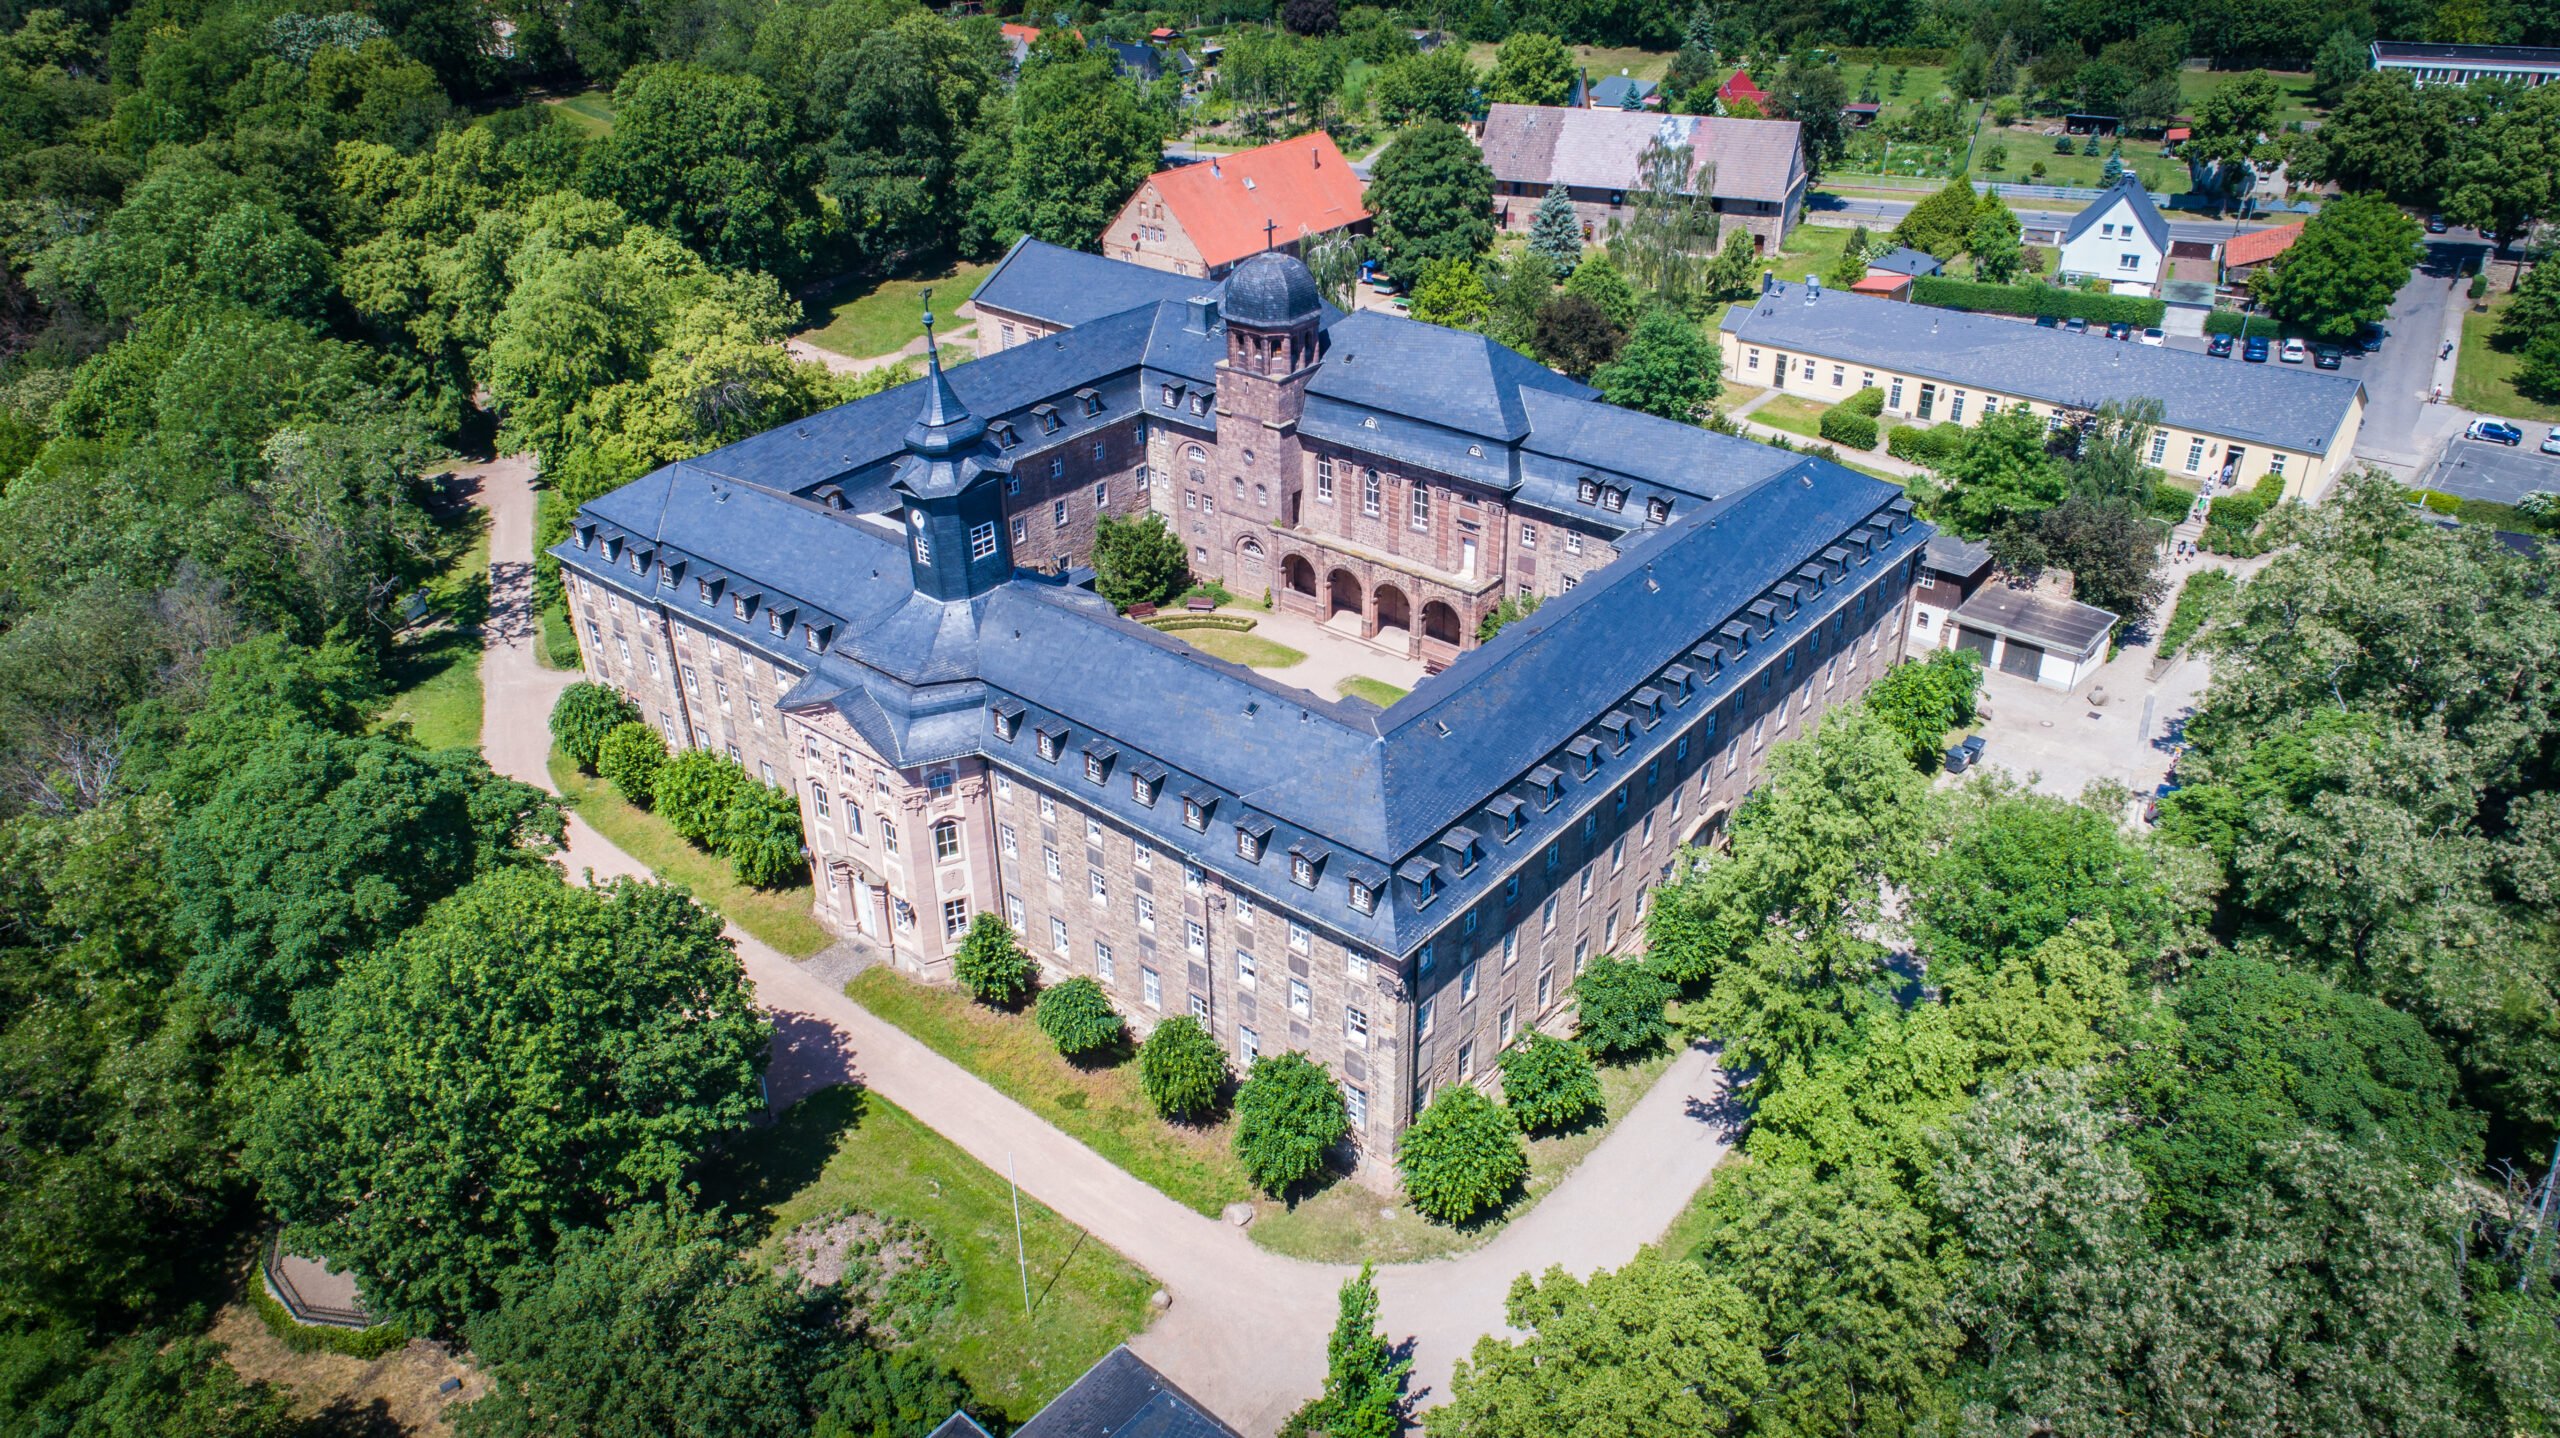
(2120, 239)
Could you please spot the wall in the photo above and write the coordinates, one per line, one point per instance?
(1768, 221)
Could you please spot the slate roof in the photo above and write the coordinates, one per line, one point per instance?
(1963, 558)
(1904, 260)
(1122, 1397)
(1069, 287)
(2126, 193)
(2521, 56)
(1706, 525)
(2290, 409)
(1599, 149)
(1303, 185)
(1615, 93)
(958, 1425)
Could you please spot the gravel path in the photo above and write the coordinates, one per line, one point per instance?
(1245, 1331)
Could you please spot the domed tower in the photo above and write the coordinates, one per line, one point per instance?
(1272, 312)
(1275, 339)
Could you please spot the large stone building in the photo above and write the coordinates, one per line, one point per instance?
(1204, 218)
(855, 605)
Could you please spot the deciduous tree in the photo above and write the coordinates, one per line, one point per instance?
(2352, 259)
(1078, 1017)
(1182, 1069)
(1531, 69)
(1433, 198)
(1461, 1156)
(991, 965)
(1137, 561)
(1548, 1083)
(1289, 1115)
(1665, 368)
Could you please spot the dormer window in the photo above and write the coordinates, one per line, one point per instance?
(1586, 752)
(1051, 740)
(1548, 781)
(1248, 848)
(775, 621)
(1649, 705)
(1145, 783)
(671, 571)
(1658, 510)
(1424, 875)
(1008, 721)
(1200, 403)
(1047, 416)
(744, 606)
(1253, 834)
(1620, 726)
(639, 561)
(1302, 873)
(612, 549)
(1006, 436)
(1363, 898)
(1509, 814)
(1589, 491)
(1306, 861)
(1091, 401)
(1465, 851)
(1613, 499)
(1194, 815)
(707, 589)
(586, 536)
(819, 635)
(1097, 762)
(1172, 395)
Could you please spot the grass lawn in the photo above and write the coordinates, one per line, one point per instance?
(1348, 1222)
(1100, 1106)
(2484, 376)
(592, 109)
(845, 1147)
(1376, 691)
(1814, 249)
(1601, 61)
(559, 646)
(1895, 480)
(883, 319)
(2194, 85)
(780, 917)
(1236, 647)
(2160, 174)
(435, 671)
(1793, 414)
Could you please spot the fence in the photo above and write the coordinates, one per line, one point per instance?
(306, 1308)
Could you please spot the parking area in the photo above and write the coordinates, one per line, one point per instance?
(2476, 469)
(2120, 726)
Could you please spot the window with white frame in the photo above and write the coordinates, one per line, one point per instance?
(1194, 937)
(1146, 911)
(1355, 1027)
(1355, 1106)
(1013, 910)
(1369, 493)
(1150, 987)
(2195, 454)
(1324, 479)
(1422, 1019)
(1057, 933)
(1467, 983)
(1300, 937)
(2159, 446)
(1421, 507)
(1244, 968)
(1301, 1002)
(1100, 886)
(1248, 1044)
(982, 540)
(1102, 960)
(946, 840)
(1049, 861)
(1048, 810)
(955, 918)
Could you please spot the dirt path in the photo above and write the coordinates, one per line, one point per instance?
(1245, 1331)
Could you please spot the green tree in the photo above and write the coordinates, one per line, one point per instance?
(1619, 1007)
(1853, 260)
(1431, 85)
(1451, 292)
(2386, 135)
(2341, 63)
(1943, 222)
(913, 91)
(1658, 1349)
(1576, 336)
(1599, 280)
(1669, 234)
(1433, 199)
(153, 1381)
(2002, 474)
(1735, 273)
(654, 1324)
(2502, 168)
(1363, 1379)
(320, 847)
(530, 1058)
(630, 758)
(2013, 868)
(1462, 1155)
(1078, 1017)
(2232, 125)
(1809, 91)
(1182, 1069)
(1548, 1083)
(1665, 368)
(1993, 243)
(1289, 1115)
(1512, 609)
(2353, 258)
(1137, 561)
(693, 792)
(991, 966)
(1530, 69)
(881, 1392)
(1922, 700)
(583, 715)
(714, 159)
(1083, 139)
(760, 835)
(1555, 235)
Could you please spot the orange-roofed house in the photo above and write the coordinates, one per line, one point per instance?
(2243, 255)
(1202, 218)
(1884, 286)
(1018, 40)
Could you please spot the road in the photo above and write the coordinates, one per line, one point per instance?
(2402, 430)
(1879, 214)
(1245, 1329)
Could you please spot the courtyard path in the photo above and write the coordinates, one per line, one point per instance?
(1245, 1329)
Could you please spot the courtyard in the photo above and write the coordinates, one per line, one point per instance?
(1329, 659)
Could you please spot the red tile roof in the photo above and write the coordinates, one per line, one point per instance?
(1741, 88)
(1886, 285)
(1303, 186)
(2259, 246)
(1027, 34)
(2178, 132)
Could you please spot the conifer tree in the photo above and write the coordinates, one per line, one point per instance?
(1556, 234)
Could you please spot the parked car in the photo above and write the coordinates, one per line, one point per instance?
(2369, 340)
(2495, 431)
(2076, 325)
(2155, 337)
(2048, 322)
(2324, 356)
(2119, 330)
(2219, 347)
(2435, 224)
(2551, 441)
(2256, 351)
(2294, 352)
(1957, 759)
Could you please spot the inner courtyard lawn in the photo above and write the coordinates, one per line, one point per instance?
(845, 1147)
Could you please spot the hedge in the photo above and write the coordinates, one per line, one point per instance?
(1931, 445)
(2168, 503)
(363, 1343)
(1868, 401)
(2234, 323)
(1843, 427)
(1921, 56)
(1168, 623)
(2037, 300)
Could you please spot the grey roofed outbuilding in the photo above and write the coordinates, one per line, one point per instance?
(1963, 558)
(1621, 92)
(2063, 625)
(2130, 191)
(1904, 260)
(1124, 1397)
(1600, 149)
(2286, 408)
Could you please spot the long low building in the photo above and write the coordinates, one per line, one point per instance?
(2430, 64)
(2221, 418)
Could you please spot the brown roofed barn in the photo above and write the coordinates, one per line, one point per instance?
(1752, 171)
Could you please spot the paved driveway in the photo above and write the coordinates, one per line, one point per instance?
(2401, 429)
(2476, 469)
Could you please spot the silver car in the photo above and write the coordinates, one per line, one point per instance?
(2551, 441)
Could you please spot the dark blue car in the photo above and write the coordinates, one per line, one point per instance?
(2255, 352)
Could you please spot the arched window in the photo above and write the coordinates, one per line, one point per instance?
(1252, 548)
(946, 840)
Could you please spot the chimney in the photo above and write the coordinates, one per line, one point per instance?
(1768, 280)
(1199, 313)
(1214, 172)
(1315, 156)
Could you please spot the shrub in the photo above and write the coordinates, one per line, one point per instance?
(1137, 561)
(2168, 503)
(1512, 609)
(1462, 1156)
(1934, 444)
(2240, 326)
(1181, 1068)
(692, 792)
(2206, 591)
(1078, 1017)
(629, 759)
(1868, 401)
(1841, 426)
(1289, 1114)
(1620, 1006)
(991, 966)
(1170, 623)
(2035, 300)
(584, 715)
(1548, 1083)
(760, 834)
